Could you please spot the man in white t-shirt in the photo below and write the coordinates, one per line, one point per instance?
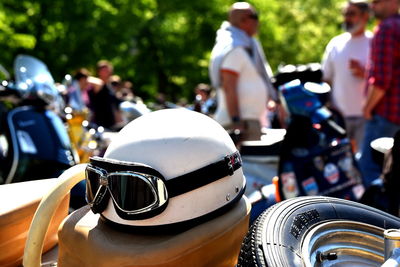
(239, 70)
(343, 68)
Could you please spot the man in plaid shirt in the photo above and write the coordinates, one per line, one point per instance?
(382, 108)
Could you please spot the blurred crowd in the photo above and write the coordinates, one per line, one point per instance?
(100, 96)
(110, 102)
(360, 66)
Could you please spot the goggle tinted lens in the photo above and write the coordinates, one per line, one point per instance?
(132, 192)
(92, 183)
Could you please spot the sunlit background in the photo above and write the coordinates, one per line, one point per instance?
(159, 45)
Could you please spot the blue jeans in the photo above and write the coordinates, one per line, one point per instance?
(375, 128)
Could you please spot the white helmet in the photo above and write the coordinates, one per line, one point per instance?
(185, 162)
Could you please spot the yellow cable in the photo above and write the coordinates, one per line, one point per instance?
(45, 211)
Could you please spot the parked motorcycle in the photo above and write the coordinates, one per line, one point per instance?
(307, 227)
(34, 143)
(315, 156)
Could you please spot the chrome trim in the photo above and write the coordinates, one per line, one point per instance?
(156, 185)
(14, 140)
(393, 260)
(392, 241)
(352, 243)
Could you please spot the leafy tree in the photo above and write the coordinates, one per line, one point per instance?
(297, 32)
(160, 45)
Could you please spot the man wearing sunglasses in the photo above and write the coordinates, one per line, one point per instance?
(240, 72)
(382, 108)
(343, 67)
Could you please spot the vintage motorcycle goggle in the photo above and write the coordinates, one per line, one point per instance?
(139, 191)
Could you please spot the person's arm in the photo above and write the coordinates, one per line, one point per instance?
(328, 71)
(374, 96)
(327, 67)
(381, 72)
(229, 85)
(96, 83)
(357, 68)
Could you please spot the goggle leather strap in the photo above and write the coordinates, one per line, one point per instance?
(204, 176)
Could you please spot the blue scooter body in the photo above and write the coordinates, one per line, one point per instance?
(34, 142)
(39, 145)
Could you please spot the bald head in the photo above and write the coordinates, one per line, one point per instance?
(242, 15)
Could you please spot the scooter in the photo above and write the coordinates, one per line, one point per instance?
(34, 143)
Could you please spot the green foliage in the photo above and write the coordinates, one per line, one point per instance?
(160, 45)
(297, 32)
